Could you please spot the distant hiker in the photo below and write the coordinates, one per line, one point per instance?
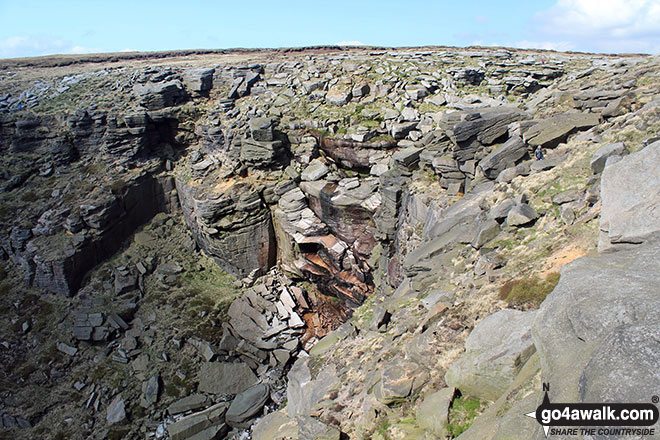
(538, 153)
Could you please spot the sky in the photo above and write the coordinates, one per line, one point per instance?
(46, 27)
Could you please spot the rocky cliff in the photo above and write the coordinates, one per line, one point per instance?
(325, 243)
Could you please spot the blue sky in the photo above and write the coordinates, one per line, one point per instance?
(42, 27)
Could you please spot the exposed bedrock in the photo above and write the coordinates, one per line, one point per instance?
(230, 223)
(348, 213)
(66, 239)
(309, 248)
(57, 253)
(351, 154)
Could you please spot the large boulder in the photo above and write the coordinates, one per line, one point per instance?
(478, 128)
(262, 154)
(486, 125)
(225, 378)
(521, 214)
(597, 332)
(339, 94)
(315, 170)
(304, 392)
(198, 81)
(261, 129)
(552, 131)
(275, 426)
(155, 96)
(503, 157)
(495, 351)
(398, 380)
(630, 194)
(247, 404)
(433, 413)
(600, 157)
(207, 424)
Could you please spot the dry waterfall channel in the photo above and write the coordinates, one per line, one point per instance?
(325, 243)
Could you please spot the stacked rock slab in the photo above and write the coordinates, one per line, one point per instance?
(264, 147)
(230, 223)
(308, 247)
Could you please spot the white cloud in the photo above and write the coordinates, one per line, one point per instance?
(544, 45)
(83, 49)
(603, 25)
(351, 43)
(31, 46)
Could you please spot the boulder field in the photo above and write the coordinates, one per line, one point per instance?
(325, 243)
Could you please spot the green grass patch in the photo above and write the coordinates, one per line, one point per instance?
(532, 290)
(462, 413)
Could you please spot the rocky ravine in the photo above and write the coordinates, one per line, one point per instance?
(325, 243)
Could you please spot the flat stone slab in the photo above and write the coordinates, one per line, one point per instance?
(225, 378)
(247, 404)
(189, 403)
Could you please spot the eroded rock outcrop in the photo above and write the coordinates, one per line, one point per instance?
(629, 190)
(231, 223)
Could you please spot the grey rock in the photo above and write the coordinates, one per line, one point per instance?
(487, 231)
(66, 349)
(116, 411)
(200, 422)
(338, 96)
(600, 157)
(8, 421)
(630, 194)
(150, 389)
(313, 84)
(189, 403)
(261, 154)
(407, 157)
(433, 413)
(155, 96)
(501, 211)
(458, 224)
(496, 349)
(310, 428)
(596, 333)
(503, 157)
(23, 423)
(398, 379)
(314, 171)
(124, 282)
(261, 129)
(198, 80)
(206, 350)
(566, 197)
(212, 433)
(360, 90)
(416, 92)
(247, 404)
(380, 318)
(232, 225)
(303, 392)
(486, 125)
(509, 174)
(547, 163)
(225, 378)
(275, 426)
(552, 131)
(410, 114)
(401, 130)
(520, 215)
